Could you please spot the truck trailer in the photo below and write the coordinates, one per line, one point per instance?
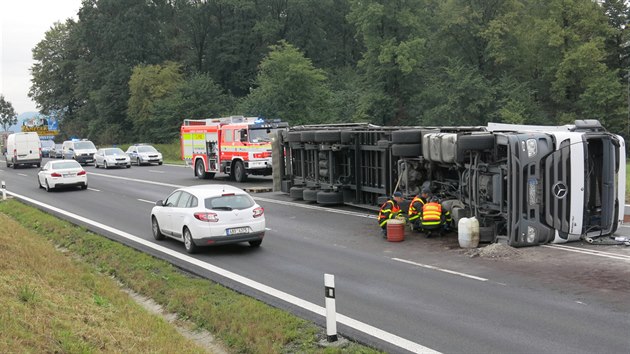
(528, 184)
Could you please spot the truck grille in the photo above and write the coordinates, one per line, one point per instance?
(557, 192)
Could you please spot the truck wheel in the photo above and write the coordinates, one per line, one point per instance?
(327, 136)
(407, 150)
(310, 195)
(329, 198)
(14, 165)
(294, 137)
(240, 175)
(296, 192)
(307, 136)
(407, 136)
(200, 170)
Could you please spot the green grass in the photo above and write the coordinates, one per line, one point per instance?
(243, 324)
(53, 303)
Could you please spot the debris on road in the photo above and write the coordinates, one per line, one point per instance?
(494, 250)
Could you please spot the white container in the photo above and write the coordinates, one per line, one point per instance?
(468, 232)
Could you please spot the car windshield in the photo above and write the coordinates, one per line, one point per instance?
(146, 149)
(112, 152)
(82, 145)
(229, 202)
(64, 165)
(48, 143)
(58, 146)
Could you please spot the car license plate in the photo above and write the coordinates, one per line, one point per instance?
(237, 230)
(68, 174)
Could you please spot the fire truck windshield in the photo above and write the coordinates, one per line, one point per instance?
(261, 135)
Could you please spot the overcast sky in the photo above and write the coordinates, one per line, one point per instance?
(23, 24)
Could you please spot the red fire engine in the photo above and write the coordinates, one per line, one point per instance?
(234, 145)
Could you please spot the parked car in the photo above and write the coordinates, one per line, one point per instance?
(209, 215)
(57, 151)
(47, 146)
(62, 173)
(144, 154)
(111, 157)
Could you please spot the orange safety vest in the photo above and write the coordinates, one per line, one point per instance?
(415, 207)
(432, 214)
(388, 210)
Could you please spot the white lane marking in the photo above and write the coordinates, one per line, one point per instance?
(22, 174)
(95, 190)
(598, 252)
(577, 250)
(294, 300)
(441, 269)
(313, 207)
(267, 229)
(146, 201)
(154, 171)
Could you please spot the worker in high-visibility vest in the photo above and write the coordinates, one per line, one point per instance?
(434, 217)
(415, 208)
(389, 210)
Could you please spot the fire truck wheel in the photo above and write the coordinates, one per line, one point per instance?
(200, 170)
(240, 175)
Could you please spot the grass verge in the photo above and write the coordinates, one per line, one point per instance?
(243, 324)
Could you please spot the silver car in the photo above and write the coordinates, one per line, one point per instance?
(144, 154)
(111, 157)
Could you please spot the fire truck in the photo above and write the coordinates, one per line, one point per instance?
(236, 145)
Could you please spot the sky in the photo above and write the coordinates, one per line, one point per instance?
(23, 24)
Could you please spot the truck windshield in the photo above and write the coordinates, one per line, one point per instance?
(601, 164)
(261, 135)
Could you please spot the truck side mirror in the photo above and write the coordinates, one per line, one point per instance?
(244, 135)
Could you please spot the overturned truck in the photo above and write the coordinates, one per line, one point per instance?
(529, 184)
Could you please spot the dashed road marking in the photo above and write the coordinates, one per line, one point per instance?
(94, 190)
(441, 269)
(155, 171)
(22, 174)
(146, 201)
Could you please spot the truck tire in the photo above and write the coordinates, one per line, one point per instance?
(329, 198)
(307, 136)
(240, 175)
(294, 137)
(346, 137)
(475, 142)
(328, 136)
(310, 195)
(407, 136)
(296, 192)
(407, 150)
(200, 170)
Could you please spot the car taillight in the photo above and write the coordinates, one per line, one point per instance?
(81, 173)
(258, 212)
(262, 155)
(207, 217)
(55, 174)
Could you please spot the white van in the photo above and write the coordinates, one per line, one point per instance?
(23, 149)
(80, 150)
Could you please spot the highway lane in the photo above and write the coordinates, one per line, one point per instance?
(442, 311)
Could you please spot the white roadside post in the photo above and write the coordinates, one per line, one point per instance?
(4, 191)
(331, 311)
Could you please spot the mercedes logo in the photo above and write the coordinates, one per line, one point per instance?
(560, 190)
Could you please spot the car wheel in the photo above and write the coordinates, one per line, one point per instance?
(39, 183)
(14, 165)
(240, 175)
(105, 165)
(256, 243)
(129, 166)
(48, 189)
(155, 227)
(160, 163)
(188, 242)
(84, 186)
(95, 164)
(200, 170)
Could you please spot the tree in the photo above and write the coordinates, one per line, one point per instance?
(8, 117)
(289, 87)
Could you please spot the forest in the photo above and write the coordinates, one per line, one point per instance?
(133, 70)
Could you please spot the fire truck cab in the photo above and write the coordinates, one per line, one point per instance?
(236, 145)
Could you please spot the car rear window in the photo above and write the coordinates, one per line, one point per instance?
(229, 202)
(64, 165)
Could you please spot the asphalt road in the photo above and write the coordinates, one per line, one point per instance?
(409, 296)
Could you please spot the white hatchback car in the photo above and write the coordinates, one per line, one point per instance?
(62, 173)
(110, 157)
(208, 215)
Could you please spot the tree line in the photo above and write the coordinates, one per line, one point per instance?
(128, 71)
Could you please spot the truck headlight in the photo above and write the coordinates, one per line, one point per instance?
(532, 148)
(531, 234)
